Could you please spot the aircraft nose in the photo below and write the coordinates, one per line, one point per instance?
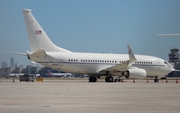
(171, 68)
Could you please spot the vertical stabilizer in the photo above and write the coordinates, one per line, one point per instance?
(36, 35)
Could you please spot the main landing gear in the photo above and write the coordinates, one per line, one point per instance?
(156, 79)
(119, 79)
(107, 79)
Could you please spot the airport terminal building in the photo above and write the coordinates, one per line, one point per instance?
(174, 59)
(29, 69)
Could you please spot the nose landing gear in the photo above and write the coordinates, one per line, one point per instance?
(156, 79)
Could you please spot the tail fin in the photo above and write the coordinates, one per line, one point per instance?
(50, 73)
(36, 35)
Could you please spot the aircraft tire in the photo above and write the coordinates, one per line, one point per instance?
(92, 79)
(117, 80)
(109, 79)
(156, 80)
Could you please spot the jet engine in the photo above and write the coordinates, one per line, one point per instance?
(135, 73)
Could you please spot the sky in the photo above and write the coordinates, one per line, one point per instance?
(97, 26)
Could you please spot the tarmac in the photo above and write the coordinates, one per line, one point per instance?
(80, 96)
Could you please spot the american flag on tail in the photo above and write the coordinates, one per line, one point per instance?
(38, 32)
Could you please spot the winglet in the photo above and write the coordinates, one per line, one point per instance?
(131, 54)
(125, 65)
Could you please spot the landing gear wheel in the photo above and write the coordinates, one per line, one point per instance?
(156, 79)
(92, 79)
(98, 77)
(118, 79)
(109, 79)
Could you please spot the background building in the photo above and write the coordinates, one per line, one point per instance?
(12, 62)
(4, 64)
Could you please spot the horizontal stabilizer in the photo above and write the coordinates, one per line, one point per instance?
(176, 70)
(38, 54)
(24, 54)
(34, 62)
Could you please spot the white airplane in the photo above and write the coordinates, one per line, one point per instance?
(43, 51)
(15, 74)
(168, 34)
(62, 75)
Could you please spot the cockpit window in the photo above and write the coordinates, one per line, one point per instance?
(165, 62)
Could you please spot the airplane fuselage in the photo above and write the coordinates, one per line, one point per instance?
(92, 63)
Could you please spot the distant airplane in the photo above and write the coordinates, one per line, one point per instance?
(15, 74)
(168, 34)
(61, 75)
(43, 51)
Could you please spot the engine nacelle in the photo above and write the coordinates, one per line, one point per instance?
(135, 73)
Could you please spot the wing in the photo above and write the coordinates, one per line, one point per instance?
(125, 65)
